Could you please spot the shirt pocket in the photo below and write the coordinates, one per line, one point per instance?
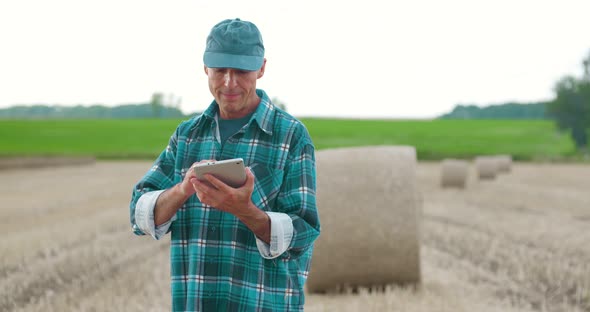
(267, 185)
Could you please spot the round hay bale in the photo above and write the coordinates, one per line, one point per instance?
(487, 167)
(369, 208)
(454, 173)
(504, 163)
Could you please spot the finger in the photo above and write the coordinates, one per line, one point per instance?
(191, 171)
(204, 199)
(216, 182)
(195, 182)
(203, 186)
(249, 177)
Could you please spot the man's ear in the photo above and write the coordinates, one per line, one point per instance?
(261, 70)
(206, 69)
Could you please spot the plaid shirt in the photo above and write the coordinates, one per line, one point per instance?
(215, 263)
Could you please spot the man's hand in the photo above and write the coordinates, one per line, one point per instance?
(187, 187)
(173, 198)
(236, 201)
(221, 196)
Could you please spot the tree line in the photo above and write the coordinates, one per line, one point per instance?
(160, 106)
(95, 111)
(511, 110)
(570, 109)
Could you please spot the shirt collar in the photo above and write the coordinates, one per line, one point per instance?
(265, 112)
(263, 115)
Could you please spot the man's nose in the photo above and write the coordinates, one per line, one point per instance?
(229, 78)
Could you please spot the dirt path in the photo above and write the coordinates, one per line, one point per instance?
(517, 243)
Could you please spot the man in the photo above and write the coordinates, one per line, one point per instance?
(234, 249)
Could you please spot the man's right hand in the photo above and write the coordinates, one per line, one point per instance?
(187, 185)
(173, 198)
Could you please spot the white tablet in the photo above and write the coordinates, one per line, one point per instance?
(231, 171)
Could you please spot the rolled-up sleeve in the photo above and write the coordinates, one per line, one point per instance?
(144, 215)
(281, 233)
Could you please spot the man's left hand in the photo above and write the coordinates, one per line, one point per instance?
(224, 197)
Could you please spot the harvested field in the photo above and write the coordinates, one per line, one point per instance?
(515, 243)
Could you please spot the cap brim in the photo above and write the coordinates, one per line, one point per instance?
(222, 60)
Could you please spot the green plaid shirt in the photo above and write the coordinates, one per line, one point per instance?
(215, 263)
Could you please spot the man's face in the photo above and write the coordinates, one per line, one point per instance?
(234, 90)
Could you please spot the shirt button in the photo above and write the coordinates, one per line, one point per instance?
(213, 228)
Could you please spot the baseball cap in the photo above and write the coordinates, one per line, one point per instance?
(234, 43)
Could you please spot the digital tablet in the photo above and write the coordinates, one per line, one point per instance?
(231, 171)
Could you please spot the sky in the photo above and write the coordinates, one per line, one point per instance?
(349, 59)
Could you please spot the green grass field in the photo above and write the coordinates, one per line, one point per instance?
(433, 139)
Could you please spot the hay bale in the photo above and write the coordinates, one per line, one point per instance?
(369, 208)
(454, 173)
(504, 163)
(487, 167)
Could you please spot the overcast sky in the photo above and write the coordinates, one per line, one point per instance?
(393, 59)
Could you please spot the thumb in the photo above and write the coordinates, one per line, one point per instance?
(190, 187)
(249, 177)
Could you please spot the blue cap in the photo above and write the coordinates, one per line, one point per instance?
(234, 43)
